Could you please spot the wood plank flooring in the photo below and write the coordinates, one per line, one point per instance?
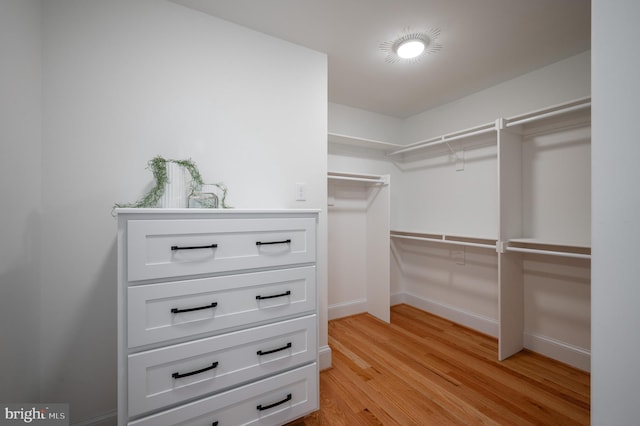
(424, 370)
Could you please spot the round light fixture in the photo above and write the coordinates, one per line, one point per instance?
(410, 48)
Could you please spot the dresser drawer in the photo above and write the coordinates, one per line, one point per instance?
(174, 248)
(167, 376)
(174, 310)
(272, 401)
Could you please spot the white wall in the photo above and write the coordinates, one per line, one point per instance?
(559, 82)
(616, 202)
(557, 309)
(458, 283)
(556, 186)
(20, 192)
(126, 80)
(345, 120)
(438, 198)
(347, 236)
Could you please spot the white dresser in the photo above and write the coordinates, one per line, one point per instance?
(217, 316)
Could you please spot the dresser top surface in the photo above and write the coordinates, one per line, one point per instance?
(194, 211)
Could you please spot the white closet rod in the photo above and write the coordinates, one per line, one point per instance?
(550, 252)
(436, 240)
(445, 139)
(549, 114)
(358, 179)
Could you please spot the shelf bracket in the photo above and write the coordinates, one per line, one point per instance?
(459, 161)
(457, 155)
(448, 146)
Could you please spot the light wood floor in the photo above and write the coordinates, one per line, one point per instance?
(424, 370)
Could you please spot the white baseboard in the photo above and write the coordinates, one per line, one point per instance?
(324, 357)
(561, 351)
(477, 322)
(398, 298)
(341, 310)
(472, 320)
(110, 418)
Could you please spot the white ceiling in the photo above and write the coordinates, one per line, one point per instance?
(483, 43)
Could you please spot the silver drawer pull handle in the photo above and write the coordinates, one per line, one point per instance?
(177, 311)
(191, 373)
(275, 404)
(287, 346)
(286, 293)
(260, 243)
(175, 248)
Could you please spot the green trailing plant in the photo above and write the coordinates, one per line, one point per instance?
(158, 167)
(223, 188)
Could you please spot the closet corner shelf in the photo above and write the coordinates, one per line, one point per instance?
(445, 239)
(358, 177)
(336, 138)
(552, 248)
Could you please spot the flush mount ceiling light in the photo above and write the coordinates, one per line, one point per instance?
(411, 46)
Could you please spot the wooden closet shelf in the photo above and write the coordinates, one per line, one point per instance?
(445, 239)
(534, 246)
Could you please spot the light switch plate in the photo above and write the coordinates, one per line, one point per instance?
(301, 191)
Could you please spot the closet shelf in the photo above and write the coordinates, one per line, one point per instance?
(550, 112)
(521, 245)
(357, 177)
(393, 149)
(445, 139)
(446, 239)
(336, 138)
(536, 246)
